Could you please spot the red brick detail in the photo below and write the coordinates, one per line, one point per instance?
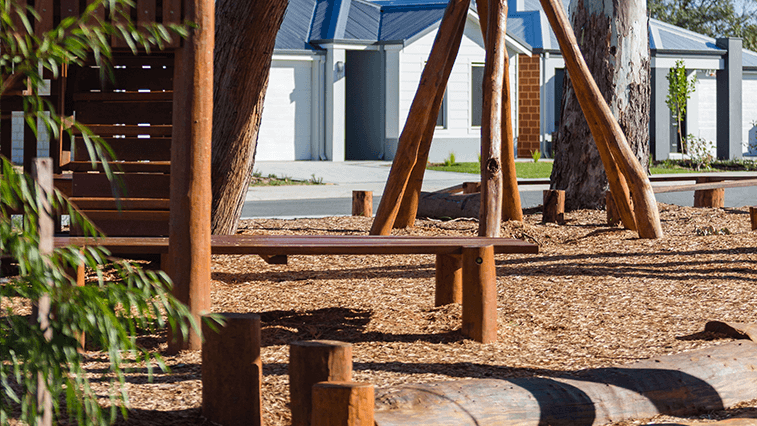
(529, 111)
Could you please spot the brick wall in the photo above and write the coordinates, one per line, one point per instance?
(529, 112)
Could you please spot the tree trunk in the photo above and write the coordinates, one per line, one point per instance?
(614, 41)
(245, 37)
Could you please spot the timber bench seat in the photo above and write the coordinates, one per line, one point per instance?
(465, 269)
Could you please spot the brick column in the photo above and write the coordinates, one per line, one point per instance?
(529, 108)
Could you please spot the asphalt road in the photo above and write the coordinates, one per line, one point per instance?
(335, 197)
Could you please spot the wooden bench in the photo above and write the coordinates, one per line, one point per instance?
(465, 269)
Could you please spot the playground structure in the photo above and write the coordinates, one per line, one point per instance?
(190, 245)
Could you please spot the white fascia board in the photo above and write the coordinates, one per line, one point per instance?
(690, 63)
(297, 57)
(516, 46)
(350, 46)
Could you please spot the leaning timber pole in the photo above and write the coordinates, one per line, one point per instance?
(604, 127)
(490, 212)
(409, 206)
(407, 150)
(189, 228)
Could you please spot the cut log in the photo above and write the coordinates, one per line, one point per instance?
(311, 362)
(449, 279)
(753, 217)
(479, 294)
(362, 203)
(683, 384)
(343, 404)
(554, 206)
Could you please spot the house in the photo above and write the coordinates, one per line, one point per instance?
(716, 112)
(344, 74)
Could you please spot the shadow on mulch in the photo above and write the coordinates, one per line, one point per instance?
(343, 324)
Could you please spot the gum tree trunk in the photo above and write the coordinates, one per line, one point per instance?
(614, 41)
(245, 37)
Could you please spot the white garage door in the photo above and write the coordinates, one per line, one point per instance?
(285, 126)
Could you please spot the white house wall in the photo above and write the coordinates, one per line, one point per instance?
(702, 121)
(459, 137)
(286, 128)
(749, 113)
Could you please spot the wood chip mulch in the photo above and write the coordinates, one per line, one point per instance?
(595, 296)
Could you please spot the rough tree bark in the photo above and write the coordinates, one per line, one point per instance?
(614, 41)
(245, 37)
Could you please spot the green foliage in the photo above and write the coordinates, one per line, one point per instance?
(449, 161)
(714, 18)
(680, 88)
(536, 155)
(109, 314)
(699, 151)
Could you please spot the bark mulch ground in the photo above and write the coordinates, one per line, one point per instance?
(595, 296)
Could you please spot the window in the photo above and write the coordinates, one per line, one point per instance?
(441, 118)
(477, 93)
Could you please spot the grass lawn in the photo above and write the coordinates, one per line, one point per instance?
(542, 169)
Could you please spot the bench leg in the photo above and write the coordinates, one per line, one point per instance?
(449, 279)
(713, 198)
(753, 217)
(479, 294)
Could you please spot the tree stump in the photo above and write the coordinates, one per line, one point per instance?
(479, 294)
(554, 206)
(343, 404)
(232, 371)
(753, 216)
(311, 362)
(362, 203)
(449, 279)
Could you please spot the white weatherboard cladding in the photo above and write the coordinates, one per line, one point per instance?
(458, 136)
(704, 124)
(285, 128)
(749, 113)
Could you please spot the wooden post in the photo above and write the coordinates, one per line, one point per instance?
(232, 371)
(554, 206)
(471, 187)
(611, 143)
(343, 404)
(408, 148)
(479, 294)
(362, 203)
(42, 172)
(311, 362)
(490, 213)
(753, 217)
(189, 228)
(449, 279)
(613, 217)
(714, 198)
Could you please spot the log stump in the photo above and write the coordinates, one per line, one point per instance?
(343, 404)
(479, 294)
(311, 362)
(232, 372)
(554, 206)
(713, 198)
(362, 203)
(449, 279)
(753, 217)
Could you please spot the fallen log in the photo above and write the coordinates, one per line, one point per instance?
(444, 204)
(683, 384)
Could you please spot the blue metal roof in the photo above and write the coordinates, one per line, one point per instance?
(364, 21)
(402, 23)
(295, 29)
